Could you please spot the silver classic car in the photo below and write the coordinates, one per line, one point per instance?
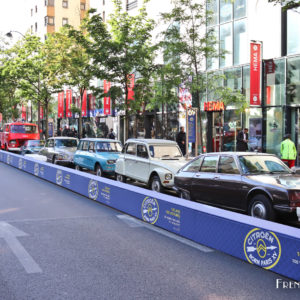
(60, 150)
(151, 161)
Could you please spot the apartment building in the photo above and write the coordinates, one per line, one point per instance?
(47, 16)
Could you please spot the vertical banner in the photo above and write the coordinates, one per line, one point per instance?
(191, 113)
(84, 104)
(23, 113)
(131, 87)
(107, 102)
(92, 105)
(68, 103)
(255, 73)
(60, 105)
(41, 112)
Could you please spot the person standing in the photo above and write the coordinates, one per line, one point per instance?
(181, 139)
(288, 151)
(242, 140)
(111, 135)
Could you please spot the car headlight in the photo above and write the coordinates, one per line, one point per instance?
(168, 176)
(111, 162)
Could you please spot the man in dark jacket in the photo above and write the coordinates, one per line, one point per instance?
(111, 135)
(180, 139)
(242, 140)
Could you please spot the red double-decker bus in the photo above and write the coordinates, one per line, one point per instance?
(15, 134)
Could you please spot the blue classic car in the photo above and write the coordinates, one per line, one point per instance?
(97, 155)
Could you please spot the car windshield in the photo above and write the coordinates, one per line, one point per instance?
(108, 147)
(262, 164)
(35, 143)
(165, 151)
(66, 143)
(23, 129)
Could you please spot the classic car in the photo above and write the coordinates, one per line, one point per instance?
(60, 150)
(98, 155)
(32, 146)
(258, 184)
(151, 161)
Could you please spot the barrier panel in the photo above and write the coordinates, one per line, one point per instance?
(266, 244)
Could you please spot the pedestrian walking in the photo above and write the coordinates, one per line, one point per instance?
(66, 131)
(288, 151)
(242, 140)
(111, 134)
(181, 139)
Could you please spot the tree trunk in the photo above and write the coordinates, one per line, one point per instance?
(47, 119)
(39, 117)
(200, 121)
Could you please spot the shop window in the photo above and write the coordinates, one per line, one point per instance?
(233, 79)
(293, 80)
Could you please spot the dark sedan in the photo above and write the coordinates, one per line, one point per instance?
(259, 184)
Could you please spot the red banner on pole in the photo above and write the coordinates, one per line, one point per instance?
(23, 113)
(92, 104)
(68, 103)
(60, 104)
(41, 112)
(84, 105)
(255, 73)
(107, 102)
(130, 87)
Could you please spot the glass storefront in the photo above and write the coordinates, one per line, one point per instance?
(293, 81)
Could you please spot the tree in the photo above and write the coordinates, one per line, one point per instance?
(123, 49)
(193, 48)
(287, 4)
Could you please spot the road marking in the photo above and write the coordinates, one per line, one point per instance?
(133, 222)
(10, 234)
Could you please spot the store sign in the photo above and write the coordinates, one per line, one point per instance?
(269, 66)
(214, 106)
(84, 104)
(68, 103)
(107, 102)
(255, 71)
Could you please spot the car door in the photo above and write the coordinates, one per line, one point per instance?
(142, 164)
(228, 191)
(90, 156)
(83, 155)
(130, 160)
(205, 181)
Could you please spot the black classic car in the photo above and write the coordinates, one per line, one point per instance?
(258, 184)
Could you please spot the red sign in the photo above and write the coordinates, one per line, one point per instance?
(23, 112)
(255, 71)
(107, 103)
(60, 105)
(92, 104)
(84, 105)
(0, 117)
(68, 103)
(269, 66)
(214, 106)
(130, 87)
(41, 113)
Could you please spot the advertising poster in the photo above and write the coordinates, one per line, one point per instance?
(131, 87)
(107, 102)
(84, 104)
(68, 103)
(255, 73)
(60, 105)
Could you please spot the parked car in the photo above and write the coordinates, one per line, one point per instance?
(60, 150)
(258, 184)
(151, 161)
(32, 146)
(98, 155)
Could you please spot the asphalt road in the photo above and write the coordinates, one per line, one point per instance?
(55, 244)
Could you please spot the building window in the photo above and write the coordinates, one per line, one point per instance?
(31, 29)
(103, 2)
(240, 54)
(65, 21)
(103, 16)
(49, 2)
(82, 6)
(49, 21)
(65, 4)
(225, 11)
(36, 9)
(31, 12)
(293, 81)
(226, 44)
(35, 27)
(131, 4)
(293, 31)
(239, 9)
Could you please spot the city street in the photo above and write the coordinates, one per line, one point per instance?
(56, 244)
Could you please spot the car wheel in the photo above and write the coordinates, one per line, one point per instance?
(185, 195)
(155, 184)
(54, 160)
(78, 168)
(120, 178)
(98, 171)
(260, 207)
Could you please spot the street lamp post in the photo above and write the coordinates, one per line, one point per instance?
(10, 35)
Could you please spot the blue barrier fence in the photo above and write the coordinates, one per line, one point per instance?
(266, 244)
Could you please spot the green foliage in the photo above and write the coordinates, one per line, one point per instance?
(291, 4)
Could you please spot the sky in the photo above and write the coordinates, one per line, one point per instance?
(13, 16)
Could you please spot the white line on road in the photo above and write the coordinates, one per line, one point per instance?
(133, 222)
(10, 233)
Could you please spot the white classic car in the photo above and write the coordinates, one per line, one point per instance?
(151, 161)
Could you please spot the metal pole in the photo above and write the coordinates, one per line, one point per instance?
(187, 134)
